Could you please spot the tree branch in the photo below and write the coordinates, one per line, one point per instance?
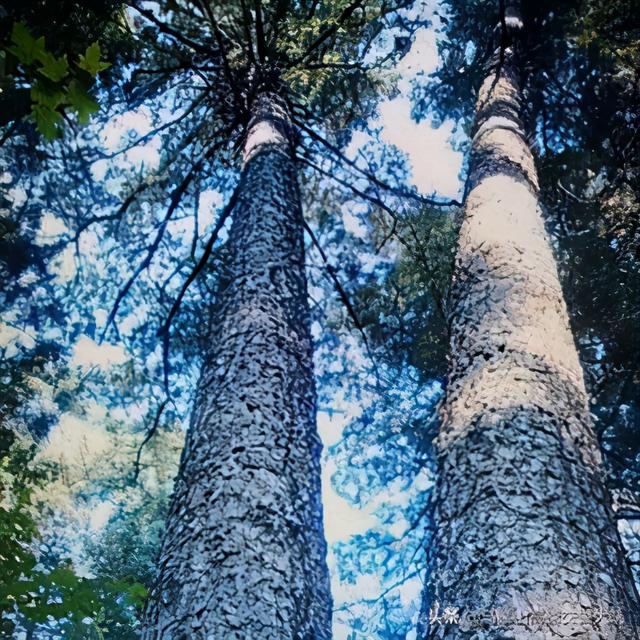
(177, 35)
(192, 107)
(260, 39)
(176, 197)
(218, 34)
(343, 297)
(437, 296)
(398, 191)
(347, 12)
(175, 307)
(149, 434)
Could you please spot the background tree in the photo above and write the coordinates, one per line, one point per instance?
(570, 91)
(520, 504)
(579, 108)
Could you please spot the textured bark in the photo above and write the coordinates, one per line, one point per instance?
(244, 552)
(525, 544)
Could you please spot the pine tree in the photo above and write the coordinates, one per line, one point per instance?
(526, 545)
(244, 552)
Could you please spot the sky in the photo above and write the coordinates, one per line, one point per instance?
(435, 165)
(435, 168)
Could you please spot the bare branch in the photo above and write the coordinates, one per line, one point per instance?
(436, 294)
(176, 197)
(177, 35)
(149, 434)
(246, 23)
(164, 330)
(147, 136)
(398, 191)
(222, 53)
(260, 38)
(627, 514)
(343, 297)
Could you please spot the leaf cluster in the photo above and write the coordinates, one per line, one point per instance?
(50, 56)
(54, 84)
(32, 594)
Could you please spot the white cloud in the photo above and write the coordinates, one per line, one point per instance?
(100, 515)
(147, 155)
(209, 203)
(99, 169)
(129, 323)
(51, 228)
(138, 122)
(18, 196)
(12, 338)
(330, 426)
(75, 442)
(352, 221)
(63, 267)
(341, 519)
(87, 353)
(117, 134)
(422, 57)
(435, 165)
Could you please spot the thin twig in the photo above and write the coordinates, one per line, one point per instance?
(149, 434)
(399, 191)
(176, 197)
(330, 269)
(175, 307)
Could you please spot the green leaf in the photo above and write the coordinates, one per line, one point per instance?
(81, 101)
(64, 577)
(46, 94)
(27, 49)
(53, 68)
(47, 120)
(137, 594)
(90, 61)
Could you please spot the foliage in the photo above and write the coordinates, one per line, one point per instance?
(33, 594)
(407, 311)
(49, 76)
(134, 197)
(614, 28)
(43, 388)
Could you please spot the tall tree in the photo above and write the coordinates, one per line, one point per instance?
(212, 65)
(244, 551)
(526, 545)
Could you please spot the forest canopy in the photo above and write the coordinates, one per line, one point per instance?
(318, 317)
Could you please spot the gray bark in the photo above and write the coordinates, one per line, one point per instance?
(244, 551)
(525, 544)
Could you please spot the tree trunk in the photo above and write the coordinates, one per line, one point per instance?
(244, 551)
(525, 543)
